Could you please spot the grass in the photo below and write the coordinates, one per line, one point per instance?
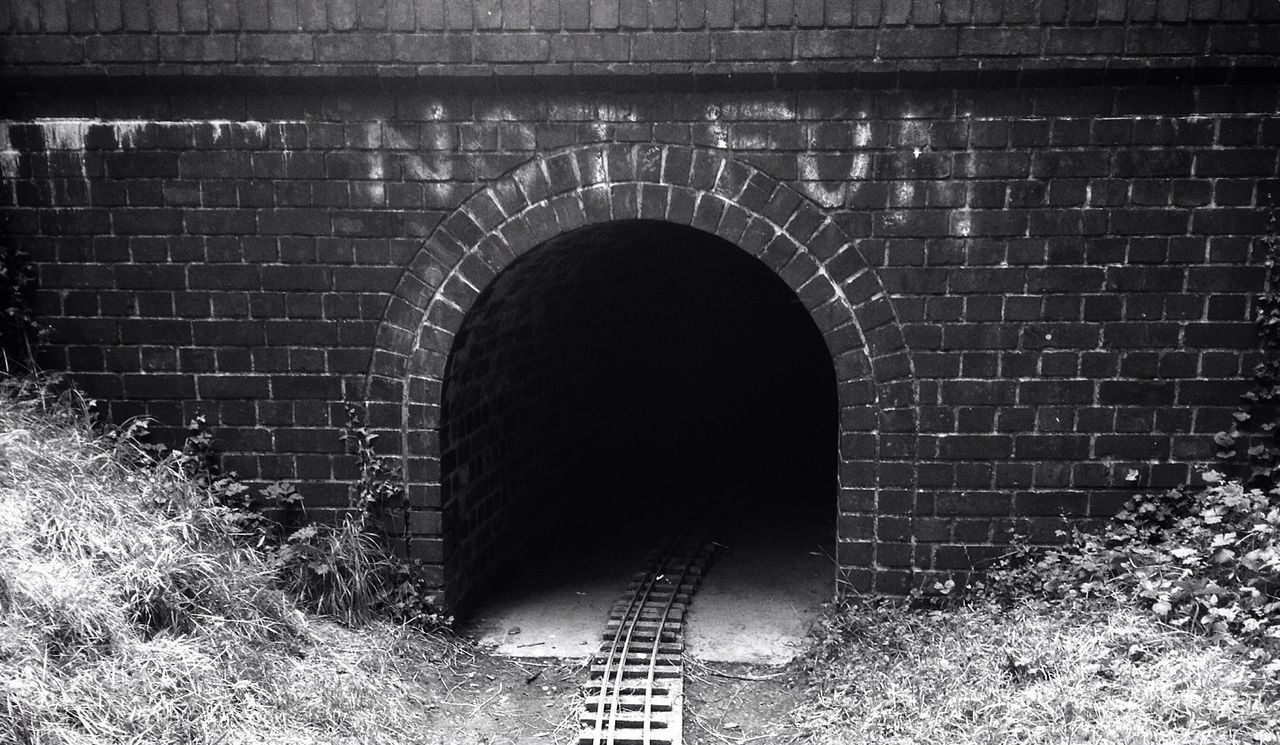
(130, 611)
(1030, 672)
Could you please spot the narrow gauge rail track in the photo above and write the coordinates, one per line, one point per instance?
(634, 693)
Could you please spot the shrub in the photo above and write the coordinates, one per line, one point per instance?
(346, 570)
(1206, 560)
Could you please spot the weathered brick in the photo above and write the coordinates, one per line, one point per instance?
(671, 46)
(1001, 42)
(512, 48)
(758, 45)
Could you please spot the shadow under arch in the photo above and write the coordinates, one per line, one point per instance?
(701, 189)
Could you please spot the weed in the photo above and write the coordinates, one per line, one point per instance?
(346, 570)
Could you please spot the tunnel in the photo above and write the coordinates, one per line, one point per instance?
(621, 382)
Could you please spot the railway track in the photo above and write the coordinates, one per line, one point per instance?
(634, 692)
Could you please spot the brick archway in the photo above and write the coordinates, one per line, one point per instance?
(698, 188)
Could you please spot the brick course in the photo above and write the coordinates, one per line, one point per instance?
(1031, 284)
(392, 39)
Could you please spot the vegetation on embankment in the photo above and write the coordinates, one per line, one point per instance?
(138, 603)
(1098, 671)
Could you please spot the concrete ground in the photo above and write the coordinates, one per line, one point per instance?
(557, 607)
(759, 596)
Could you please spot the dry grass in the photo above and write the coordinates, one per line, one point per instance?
(129, 612)
(1033, 673)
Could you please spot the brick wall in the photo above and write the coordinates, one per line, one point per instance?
(1032, 286)
(396, 40)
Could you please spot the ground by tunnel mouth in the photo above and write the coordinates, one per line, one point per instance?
(625, 380)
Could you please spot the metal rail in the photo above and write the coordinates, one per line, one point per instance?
(635, 604)
(639, 686)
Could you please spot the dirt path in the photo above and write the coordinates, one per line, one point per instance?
(738, 703)
(488, 700)
(498, 701)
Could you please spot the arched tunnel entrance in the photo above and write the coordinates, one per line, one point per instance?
(623, 381)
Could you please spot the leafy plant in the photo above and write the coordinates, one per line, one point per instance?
(1254, 436)
(341, 569)
(346, 570)
(197, 462)
(379, 494)
(1205, 560)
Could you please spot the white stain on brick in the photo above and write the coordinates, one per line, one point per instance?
(496, 114)
(597, 170)
(393, 138)
(418, 168)
(219, 128)
(69, 133)
(371, 192)
(862, 134)
(8, 156)
(438, 137)
(763, 110)
(429, 111)
(609, 112)
(282, 144)
(962, 219)
(127, 131)
(439, 191)
(374, 166)
(831, 195)
(860, 166)
(719, 134)
(750, 140)
(904, 192)
(915, 134)
(256, 128)
(64, 134)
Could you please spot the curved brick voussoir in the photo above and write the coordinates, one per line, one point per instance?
(703, 189)
(578, 186)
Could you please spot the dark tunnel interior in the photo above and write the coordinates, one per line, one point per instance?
(626, 380)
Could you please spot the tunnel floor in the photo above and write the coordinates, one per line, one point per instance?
(761, 592)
